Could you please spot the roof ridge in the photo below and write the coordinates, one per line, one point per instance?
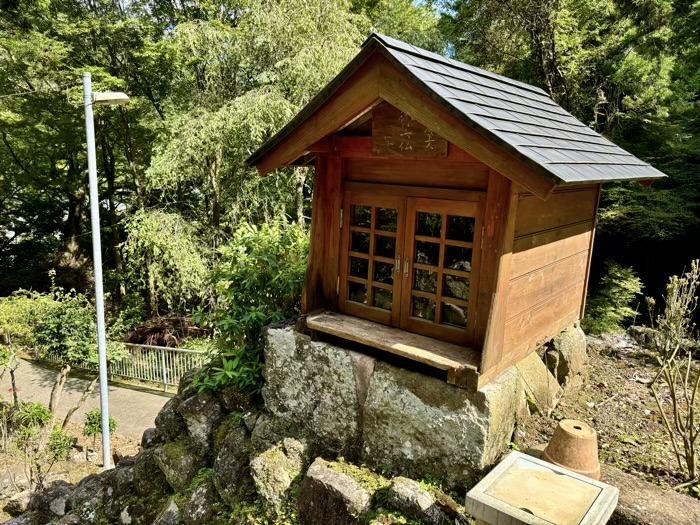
(436, 57)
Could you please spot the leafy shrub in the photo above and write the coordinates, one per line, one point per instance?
(93, 423)
(258, 281)
(33, 415)
(59, 445)
(611, 305)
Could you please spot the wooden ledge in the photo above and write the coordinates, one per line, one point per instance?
(460, 363)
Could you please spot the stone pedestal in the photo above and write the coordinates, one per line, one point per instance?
(387, 417)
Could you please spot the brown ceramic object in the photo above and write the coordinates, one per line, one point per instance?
(574, 446)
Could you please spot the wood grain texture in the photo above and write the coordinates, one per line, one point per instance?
(499, 224)
(561, 209)
(355, 96)
(416, 191)
(396, 134)
(438, 354)
(534, 327)
(425, 173)
(322, 265)
(543, 249)
(402, 93)
(590, 250)
(536, 287)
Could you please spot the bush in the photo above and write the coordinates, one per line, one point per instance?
(93, 423)
(258, 281)
(611, 305)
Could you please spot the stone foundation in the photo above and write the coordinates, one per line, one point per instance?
(387, 417)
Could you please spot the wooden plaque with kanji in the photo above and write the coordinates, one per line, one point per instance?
(396, 134)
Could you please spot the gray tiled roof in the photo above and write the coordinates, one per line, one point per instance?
(519, 117)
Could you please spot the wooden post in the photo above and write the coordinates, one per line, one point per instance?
(501, 208)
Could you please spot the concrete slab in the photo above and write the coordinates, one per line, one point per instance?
(523, 490)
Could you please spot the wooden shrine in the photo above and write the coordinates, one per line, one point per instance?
(453, 213)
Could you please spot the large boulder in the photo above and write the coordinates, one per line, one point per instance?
(275, 470)
(18, 503)
(201, 506)
(203, 414)
(567, 359)
(414, 502)
(87, 497)
(542, 388)
(151, 437)
(231, 474)
(51, 503)
(169, 515)
(180, 462)
(313, 383)
(169, 422)
(148, 477)
(330, 497)
(423, 426)
(234, 399)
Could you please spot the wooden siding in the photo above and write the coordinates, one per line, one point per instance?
(549, 267)
(426, 173)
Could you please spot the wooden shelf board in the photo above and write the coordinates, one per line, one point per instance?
(459, 362)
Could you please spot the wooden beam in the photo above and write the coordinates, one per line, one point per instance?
(355, 96)
(494, 279)
(590, 251)
(398, 90)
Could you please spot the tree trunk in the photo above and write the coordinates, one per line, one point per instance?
(90, 388)
(214, 175)
(151, 295)
(58, 388)
(15, 394)
(110, 172)
(299, 194)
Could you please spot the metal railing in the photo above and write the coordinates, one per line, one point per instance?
(156, 364)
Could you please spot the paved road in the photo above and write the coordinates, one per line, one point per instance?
(134, 409)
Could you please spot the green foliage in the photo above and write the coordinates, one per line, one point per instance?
(93, 423)
(33, 415)
(59, 444)
(612, 304)
(258, 281)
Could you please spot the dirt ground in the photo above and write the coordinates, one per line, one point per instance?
(618, 403)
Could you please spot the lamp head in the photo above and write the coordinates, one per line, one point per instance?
(110, 98)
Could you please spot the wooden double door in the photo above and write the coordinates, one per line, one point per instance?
(411, 262)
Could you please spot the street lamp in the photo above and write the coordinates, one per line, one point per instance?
(104, 99)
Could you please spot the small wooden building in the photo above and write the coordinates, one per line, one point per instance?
(453, 211)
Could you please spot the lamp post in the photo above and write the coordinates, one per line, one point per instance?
(112, 99)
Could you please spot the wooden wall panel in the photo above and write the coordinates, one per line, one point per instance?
(564, 207)
(473, 176)
(322, 266)
(535, 288)
(547, 272)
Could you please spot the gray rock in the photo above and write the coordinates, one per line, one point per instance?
(567, 359)
(231, 474)
(233, 399)
(169, 422)
(202, 414)
(18, 503)
(69, 519)
(270, 430)
(201, 505)
(151, 437)
(87, 496)
(180, 462)
(51, 503)
(118, 494)
(542, 388)
(422, 426)
(250, 419)
(313, 383)
(275, 470)
(414, 502)
(28, 518)
(170, 515)
(329, 497)
(148, 477)
(186, 379)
